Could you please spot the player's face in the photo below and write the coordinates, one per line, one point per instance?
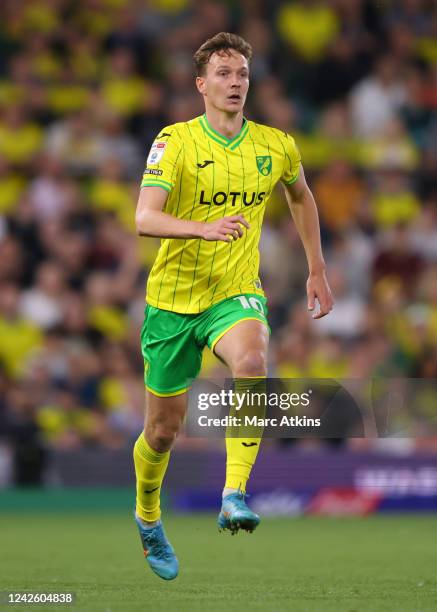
(225, 82)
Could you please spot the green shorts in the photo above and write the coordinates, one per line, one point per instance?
(172, 343)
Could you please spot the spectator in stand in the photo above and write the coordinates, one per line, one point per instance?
(109, 193)
(118, 144)
(77, 143)
(19, 337)
(307, 27)
(393, 201)
(376, 100)
(398, 260)
(42, 304)
(424, 232)
(123, 90)
(339, 193)
(20, 137)
(393, 148)
(12, 186)
(51, 193)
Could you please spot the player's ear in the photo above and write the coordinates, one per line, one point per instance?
(201, 85)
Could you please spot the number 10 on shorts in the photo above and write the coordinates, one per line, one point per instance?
(251, 302)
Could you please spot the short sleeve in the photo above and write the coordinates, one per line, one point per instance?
(164, 159)
(290, 173)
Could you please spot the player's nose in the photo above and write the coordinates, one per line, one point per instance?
(236, 81)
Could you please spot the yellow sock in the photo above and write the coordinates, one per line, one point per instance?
(150, 468)
(242, 451)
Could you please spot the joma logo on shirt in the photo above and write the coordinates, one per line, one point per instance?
(233, 197)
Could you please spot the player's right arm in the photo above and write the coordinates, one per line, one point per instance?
(150, 220)
(163, 165)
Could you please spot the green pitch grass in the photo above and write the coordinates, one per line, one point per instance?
(305, 564)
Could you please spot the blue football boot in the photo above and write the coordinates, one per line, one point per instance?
(235, 514)
(158, 551)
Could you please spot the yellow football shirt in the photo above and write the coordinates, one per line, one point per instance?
(209, 176)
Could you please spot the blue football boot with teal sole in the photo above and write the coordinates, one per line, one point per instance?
(235, 514)
(158, 551)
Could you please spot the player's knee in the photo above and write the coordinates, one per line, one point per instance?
(252, 363)
(161, 437)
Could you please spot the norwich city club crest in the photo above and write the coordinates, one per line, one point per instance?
(264, 163)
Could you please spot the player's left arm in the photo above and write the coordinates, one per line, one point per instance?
(304, 212)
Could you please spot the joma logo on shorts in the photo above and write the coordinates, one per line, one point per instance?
(234, 198)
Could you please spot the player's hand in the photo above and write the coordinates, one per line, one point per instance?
(226, 229)
(318, 288)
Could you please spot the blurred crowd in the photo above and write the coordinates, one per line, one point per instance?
(85, 85)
